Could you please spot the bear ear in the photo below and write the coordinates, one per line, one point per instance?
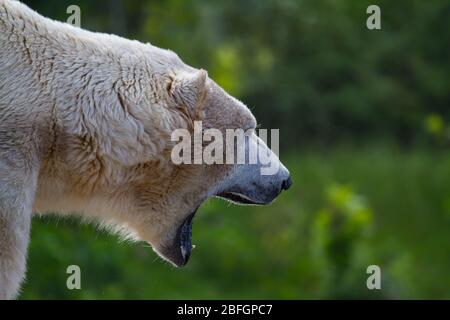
(188, 89)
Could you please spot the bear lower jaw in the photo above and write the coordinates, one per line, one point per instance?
(179, 252)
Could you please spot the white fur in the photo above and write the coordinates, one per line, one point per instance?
(85, 126)
(58, 82)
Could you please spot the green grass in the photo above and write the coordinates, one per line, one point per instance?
(309, 244)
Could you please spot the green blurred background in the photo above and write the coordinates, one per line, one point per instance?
(364, 129)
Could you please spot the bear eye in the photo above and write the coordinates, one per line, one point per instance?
(252, 126)
(250, 129)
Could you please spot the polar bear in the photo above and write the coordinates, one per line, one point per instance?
(85, 126)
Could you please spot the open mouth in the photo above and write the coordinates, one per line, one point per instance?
(180, 253)
(185, 237)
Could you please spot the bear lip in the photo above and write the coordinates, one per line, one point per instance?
(185, 237)
(183, 241)
(238, 198)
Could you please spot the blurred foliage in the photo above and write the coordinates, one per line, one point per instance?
(309, 67)
(315, 241)
(435, 124)
(338, 229)
(364, 116)
(438, 130)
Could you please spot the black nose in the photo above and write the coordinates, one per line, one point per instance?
(287, 183)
